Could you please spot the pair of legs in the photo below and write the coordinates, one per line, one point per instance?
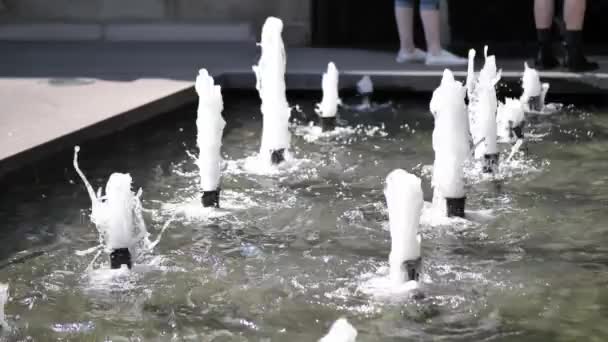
(429, 12)
(574, 18)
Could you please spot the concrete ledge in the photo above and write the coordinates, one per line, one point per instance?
(50, 32)
(230, 32)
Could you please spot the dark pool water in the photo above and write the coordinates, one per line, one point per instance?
(288, 254)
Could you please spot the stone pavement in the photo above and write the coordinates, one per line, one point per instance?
(57, 94)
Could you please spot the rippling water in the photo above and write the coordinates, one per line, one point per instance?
(288, 253)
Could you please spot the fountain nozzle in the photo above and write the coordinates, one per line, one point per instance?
(517, 131)
(490, 163)
(277, 156)
(412, 269)
(328, 123)
(211, 199)
(119, 257)
(455, 206)
(535, 103)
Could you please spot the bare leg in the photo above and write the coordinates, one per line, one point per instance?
(431, 22)
(404, 17)
(574, 14)
(543, 13)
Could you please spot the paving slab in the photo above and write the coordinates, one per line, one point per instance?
(57, 94)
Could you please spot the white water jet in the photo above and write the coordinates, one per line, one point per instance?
(365, 86)
(329, 104)
(3, 300)
(482, 109)
(270, 76)
(532, 89)
(404, 199)
(510, 115)
(340, 331)
(451, 141)
(471, 79)
(117, 215)
(210, 127)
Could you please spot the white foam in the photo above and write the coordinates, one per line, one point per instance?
(379, 285)
(329, 104)
(270, 76)
(210, 126)
(404, 199)
(340, 331)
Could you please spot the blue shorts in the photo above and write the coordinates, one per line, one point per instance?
(424, 4)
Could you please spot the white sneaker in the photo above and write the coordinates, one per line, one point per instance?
(445, 58)
(406, 57)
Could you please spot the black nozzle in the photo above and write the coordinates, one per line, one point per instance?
(119, 257)
(413, 268)
(516, 131)
(211, 199)
(490, 163)
(328, 124)
(455, 206)
(535, 104)
(277, 156)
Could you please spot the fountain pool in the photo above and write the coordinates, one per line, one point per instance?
(284, 257)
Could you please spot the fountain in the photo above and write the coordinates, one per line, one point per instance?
(483, 105)
(210, 125)
(328, 107)
(3, 300)
(404, 199)
(534, 92)
(340, 331)
(510, 120)
(270, 83)
(117, 216)
(451, 144)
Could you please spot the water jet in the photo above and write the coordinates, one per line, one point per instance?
(270, 84)
(451, 144)
(210, 127)
(328, 107)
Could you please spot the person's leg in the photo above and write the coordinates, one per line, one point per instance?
(431, 20)
(543, 16)
(429, 12)
(404, 16)
(574, 16)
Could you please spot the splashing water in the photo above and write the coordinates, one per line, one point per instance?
(510, 114)
(3, 300)
(270, 83)
(340, 331)
(329, 104)
(450, 141)
(117, 215)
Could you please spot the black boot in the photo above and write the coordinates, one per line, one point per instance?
(575, 59)
(545, 59)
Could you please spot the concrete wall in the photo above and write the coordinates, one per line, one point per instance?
(295, 13)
